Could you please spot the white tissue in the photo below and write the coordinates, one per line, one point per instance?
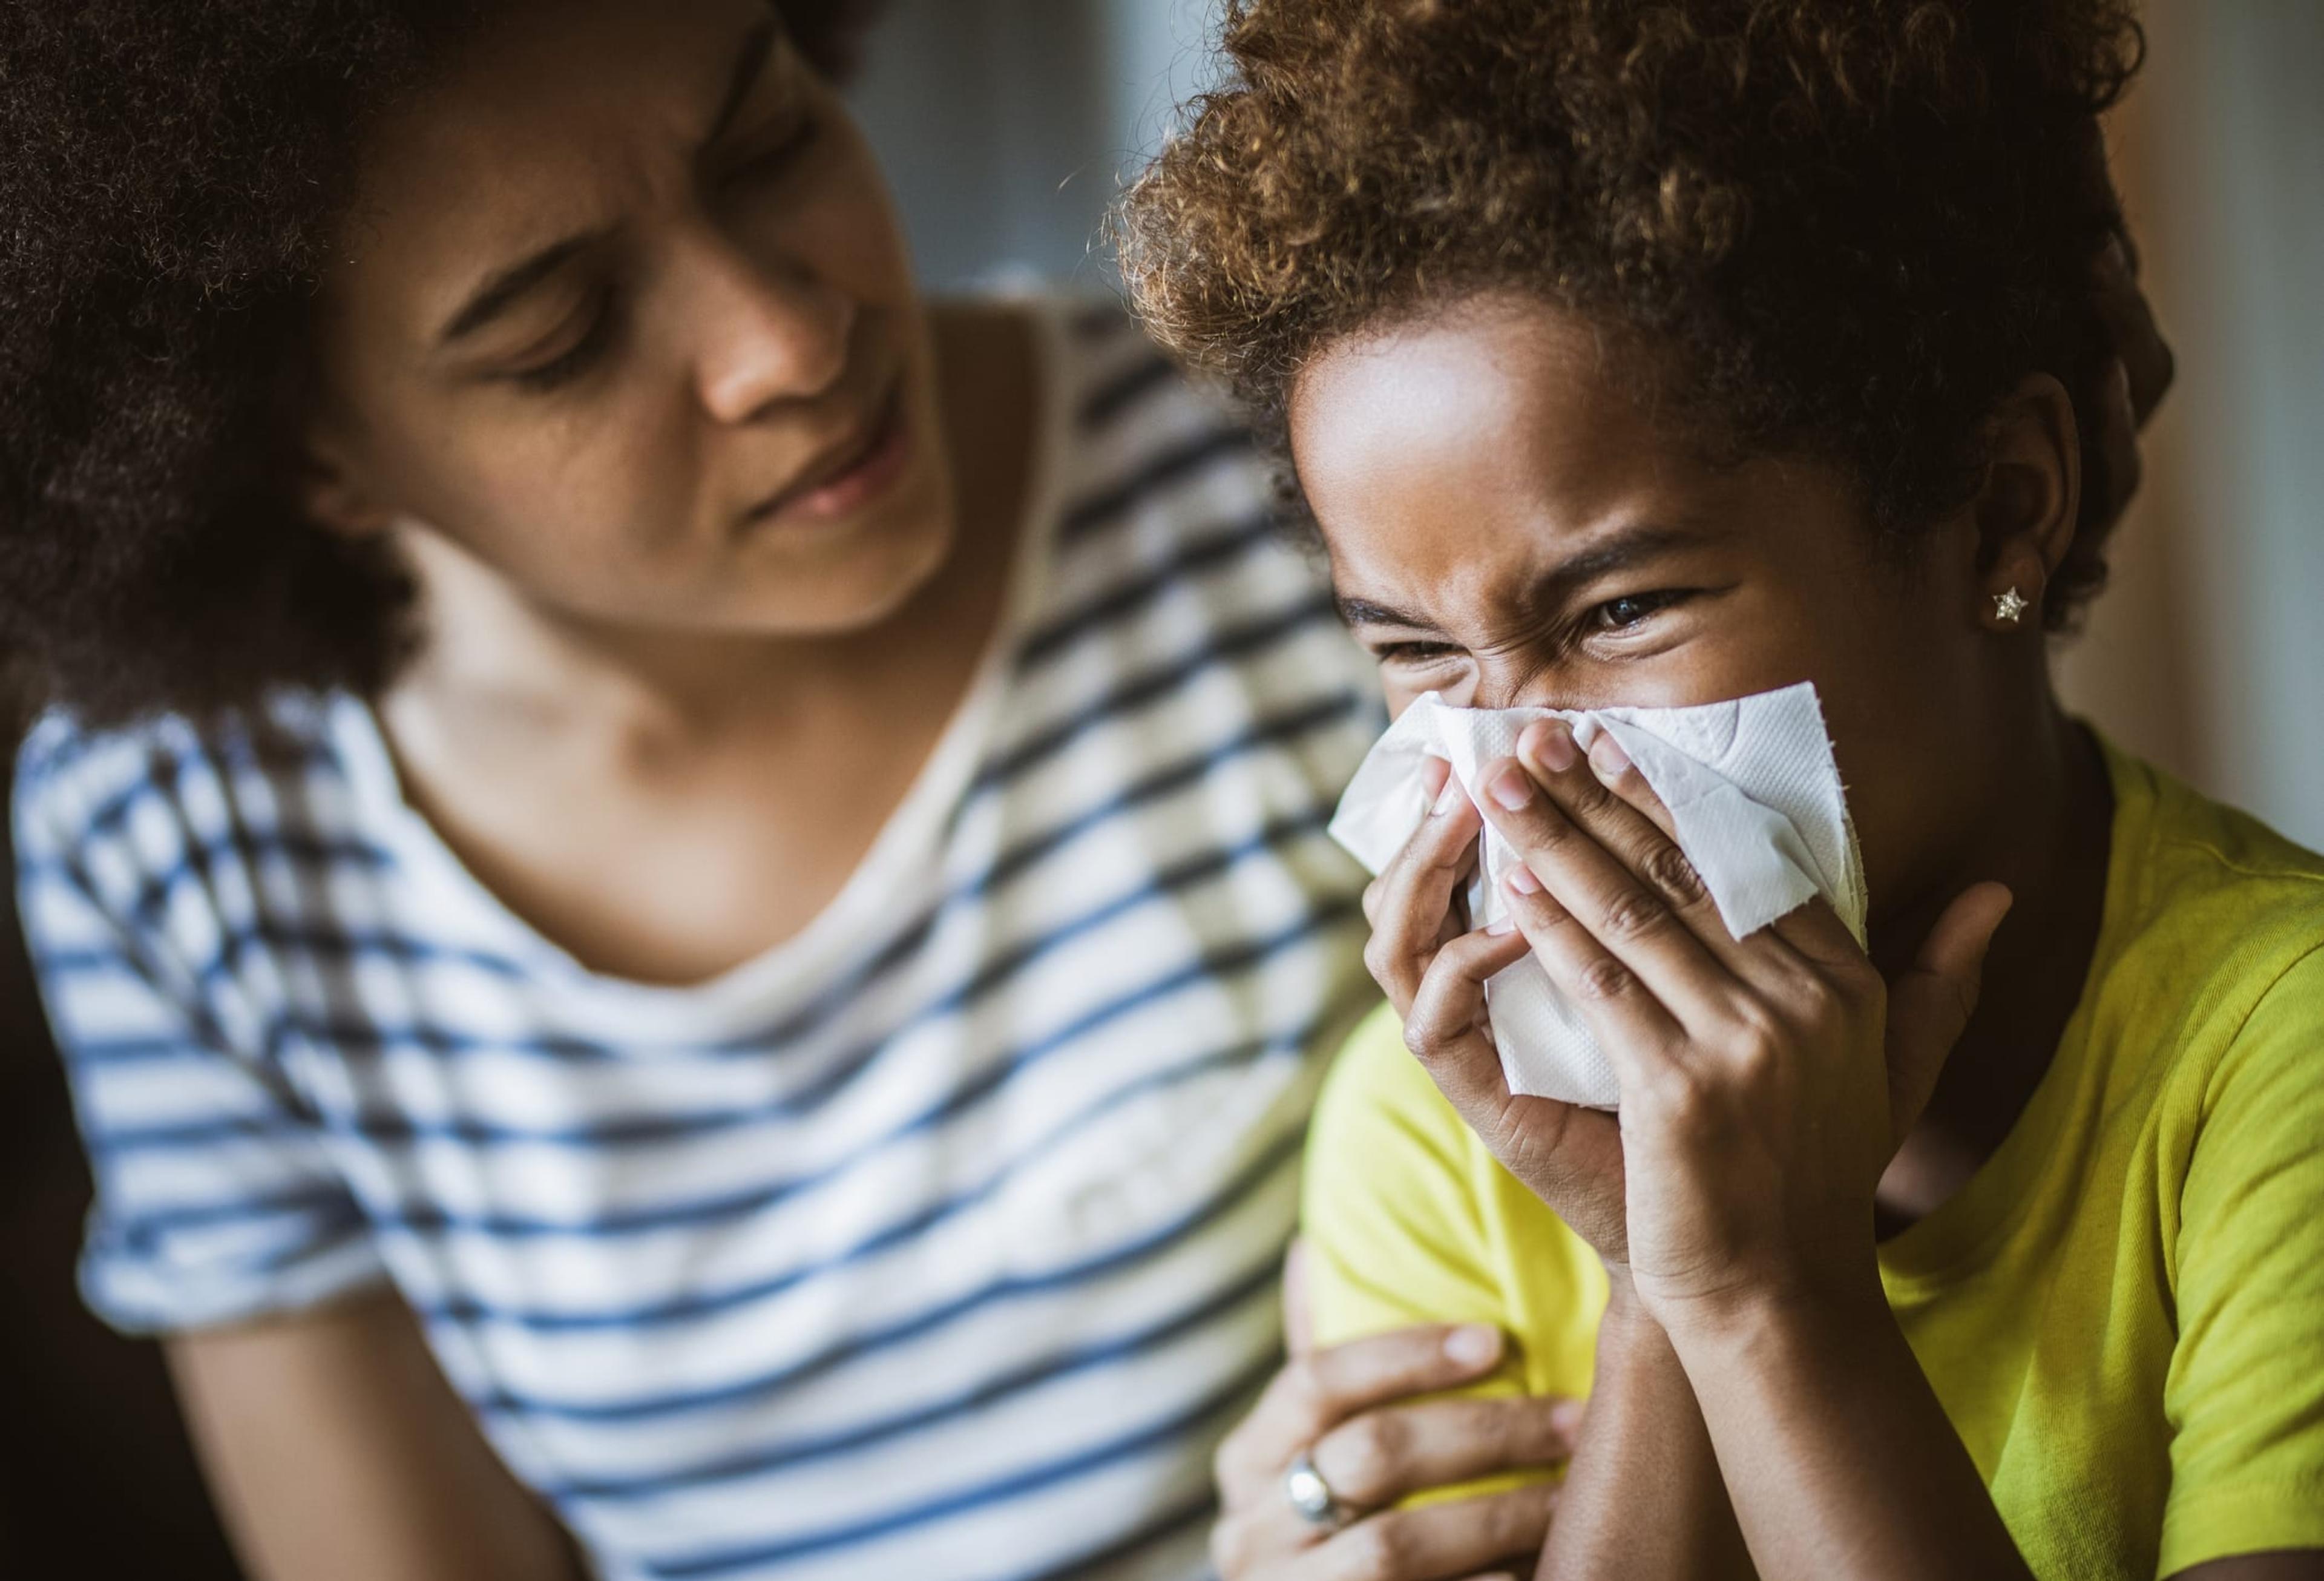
(1750, 785)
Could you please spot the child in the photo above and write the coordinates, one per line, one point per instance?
(1661, 353)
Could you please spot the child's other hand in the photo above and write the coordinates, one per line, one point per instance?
(1435, 975)
(1765, 1081)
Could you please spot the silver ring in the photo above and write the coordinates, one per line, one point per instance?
(1311, 1496)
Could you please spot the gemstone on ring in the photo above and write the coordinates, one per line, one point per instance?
(1311, 1496)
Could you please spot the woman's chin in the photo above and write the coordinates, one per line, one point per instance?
(876, 580)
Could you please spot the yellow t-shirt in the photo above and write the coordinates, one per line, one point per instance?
(2122, 1311)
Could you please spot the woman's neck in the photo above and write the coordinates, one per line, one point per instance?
(492, 654)
(2047, 835)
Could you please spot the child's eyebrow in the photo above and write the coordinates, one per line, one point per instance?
(1364, 612)
(1629, 547)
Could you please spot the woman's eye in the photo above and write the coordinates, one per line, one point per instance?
(1619, 615)
(778, 156)
(574, 361)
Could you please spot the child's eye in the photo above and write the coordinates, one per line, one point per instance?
(1414, 652)
(1619, 615)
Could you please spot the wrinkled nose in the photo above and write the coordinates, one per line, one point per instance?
(1521, 681)
(763, 334)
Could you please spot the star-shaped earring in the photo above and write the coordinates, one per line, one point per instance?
(2010, 606)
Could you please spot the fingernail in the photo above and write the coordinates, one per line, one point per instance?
(1550, 743)
(1522, 879)
(1512, 787)
(1500, 930)
(1447, 800)
(1475, 1344)
(1565, 1415)
(1607, 758)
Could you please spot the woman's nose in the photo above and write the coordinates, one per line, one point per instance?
(763, 333)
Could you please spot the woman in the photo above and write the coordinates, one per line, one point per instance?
(645, 846)
(1666, 354)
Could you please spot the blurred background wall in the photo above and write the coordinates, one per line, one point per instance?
(2209, 653)
(1008, 125)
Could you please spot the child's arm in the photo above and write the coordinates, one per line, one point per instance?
(1643, 1497)
(1764, 1082)
(1839, 1459)
(1396, 1173)
(1842, 1461)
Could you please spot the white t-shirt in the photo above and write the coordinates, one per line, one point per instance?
(938, 1241)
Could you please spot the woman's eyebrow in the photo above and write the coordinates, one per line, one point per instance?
(750, 63)
(503, 289)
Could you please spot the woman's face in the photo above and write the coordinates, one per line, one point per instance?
(1509, 526)
(624, 314)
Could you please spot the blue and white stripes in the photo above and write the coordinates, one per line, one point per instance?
(941, 1240)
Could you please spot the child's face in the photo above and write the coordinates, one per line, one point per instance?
(1509, 526)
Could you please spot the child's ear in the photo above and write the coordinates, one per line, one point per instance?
(2030, 503)
(331, 488)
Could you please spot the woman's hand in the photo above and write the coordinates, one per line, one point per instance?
(1435, 975)
(1350, 1409)
(1765, 1081)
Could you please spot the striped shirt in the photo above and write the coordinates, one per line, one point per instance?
(942, 1240)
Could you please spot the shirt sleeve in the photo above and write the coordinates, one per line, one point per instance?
(2245, 1393)
(1408, 1220)
(217, 1200)
(1395, 1234)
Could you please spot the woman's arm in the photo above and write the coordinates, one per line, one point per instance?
(1644, 1497)
(337, 1449)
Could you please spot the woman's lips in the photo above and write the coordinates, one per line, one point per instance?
(866, 473)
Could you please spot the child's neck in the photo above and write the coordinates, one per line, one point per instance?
(2049, 840)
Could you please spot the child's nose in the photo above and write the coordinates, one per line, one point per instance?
(1514, 683)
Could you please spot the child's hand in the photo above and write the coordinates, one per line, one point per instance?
(1435, 975)
(1765, 1081)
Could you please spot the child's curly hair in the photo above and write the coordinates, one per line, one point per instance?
(1844, 227)
(171, 172)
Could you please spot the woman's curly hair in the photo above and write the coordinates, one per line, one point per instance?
(170, 172)
(1841, 227)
